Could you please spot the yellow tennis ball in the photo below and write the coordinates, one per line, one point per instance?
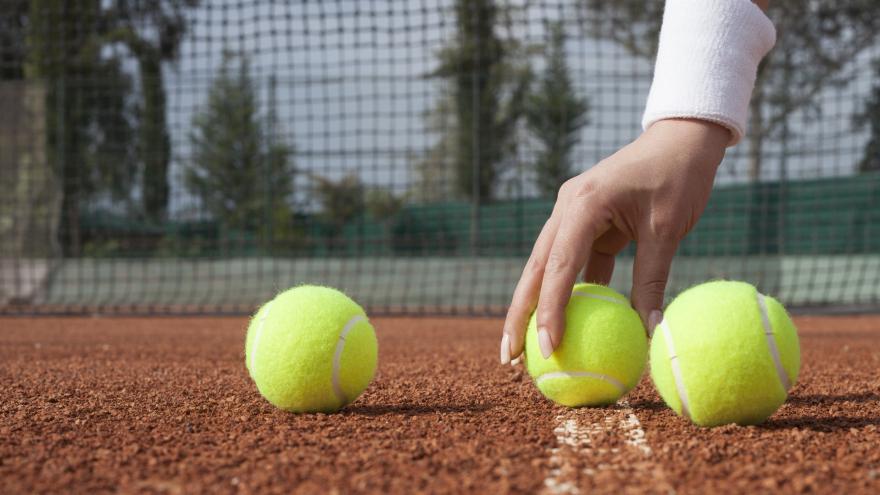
(311, 349)
(602, 354)
(724, 353)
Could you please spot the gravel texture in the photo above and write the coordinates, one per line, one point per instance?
(165, 405)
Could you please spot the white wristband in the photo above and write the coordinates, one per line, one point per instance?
(707, 62)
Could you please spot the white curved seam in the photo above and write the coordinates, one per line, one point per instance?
(337, 356)
(771, 343)
(676, 369)
(582, 374)
(257, 333)
(599, 297)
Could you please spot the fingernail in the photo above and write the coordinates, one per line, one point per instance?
(505, 349)
(515, 361)
(654, 319)
(545, 343)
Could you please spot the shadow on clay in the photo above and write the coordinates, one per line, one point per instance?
(647, 405)
(827, 423)
(412, 409)
(819, 399)
(821, 423)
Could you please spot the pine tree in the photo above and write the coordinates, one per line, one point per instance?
(554, 115)
(487, 91)
(153, 31)
(870, 117)
(231, 166)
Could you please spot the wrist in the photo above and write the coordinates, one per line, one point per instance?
(703, 142)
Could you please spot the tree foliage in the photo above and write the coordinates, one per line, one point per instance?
(341, 200)
(382, 204)
(242, 182)
(487, 89)
(13, 39)
(436, 170)
(554, 115)
(152, 30)
(106, 134)
(89, 132)
(870, 117)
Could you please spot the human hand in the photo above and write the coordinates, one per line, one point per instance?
(651, 191)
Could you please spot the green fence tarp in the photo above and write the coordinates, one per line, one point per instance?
(823, 216)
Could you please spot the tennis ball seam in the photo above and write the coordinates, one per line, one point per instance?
(600, 297)
(582, 374)
(337, 356)
(681, 389)
(771, 343)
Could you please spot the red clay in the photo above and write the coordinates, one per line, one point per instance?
(165, 405)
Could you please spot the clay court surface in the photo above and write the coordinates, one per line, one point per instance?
(165, 405)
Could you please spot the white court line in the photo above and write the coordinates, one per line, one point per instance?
(573, 439)
(632, 428)
(570, 434)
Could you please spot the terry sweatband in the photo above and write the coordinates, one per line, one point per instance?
(707, 62)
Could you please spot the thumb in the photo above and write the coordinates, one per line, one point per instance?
(650, 273)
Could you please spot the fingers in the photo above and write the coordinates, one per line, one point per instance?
(568, 255)
(650, 273)
(525, 296)
(600, 265)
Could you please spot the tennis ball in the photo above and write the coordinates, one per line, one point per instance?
(602, 354)
(725, 353)
(311, 349)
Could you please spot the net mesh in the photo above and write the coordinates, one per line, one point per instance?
(197, 157)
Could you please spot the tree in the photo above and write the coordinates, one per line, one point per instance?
(383, 205)
(341, 201)
(436, 169)
(554, 115)
(487, 90)
(240, 181)
(103, 133)
(29, 208)
(88, 132)
(152, 30)
(816, 42)
(870, 117)
(13, 39)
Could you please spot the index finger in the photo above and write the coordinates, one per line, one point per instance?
(568, 255)
(525, 296)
